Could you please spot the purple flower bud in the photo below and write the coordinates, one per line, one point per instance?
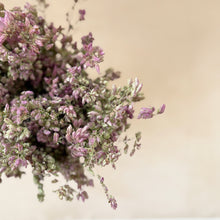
(27, 22)
(69, 129)
(102, 180)
(76, 93)
(19, 146)
(91, 141)
(87, 39)
(146, 113)
(139, 88)
(49, 46)
(78, 151)
(7, 107)
(100, 154)
(97, 68)
(69, 138)
(39, 42)
(38, 116)
(11, 160)
(82, 14)
(161, 109)
(113, 203)
(75, 69)
(17, 162)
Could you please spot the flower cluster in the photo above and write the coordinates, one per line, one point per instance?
(53, 116)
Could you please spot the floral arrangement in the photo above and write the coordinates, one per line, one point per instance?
(53, 116)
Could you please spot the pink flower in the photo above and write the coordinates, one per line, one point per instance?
(49, 46)
(91, 141)
(87, 39)
(161, 109)
(82, 14)
(75, 69)
(146, 113)
(19, 146)
(113, 203)
(19, 162)
(68, 138)
(38, 116)
(78, 151)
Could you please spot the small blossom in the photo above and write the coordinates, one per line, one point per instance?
(19, 162)
(146, 113)
(161, 109)
(75, 69)
(38, 116)
(87, 39)
(113, 203)
(49, 46)
(82, 15)
(78, 151)
(19, 146)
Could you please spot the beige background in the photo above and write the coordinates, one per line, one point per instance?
(173, 46)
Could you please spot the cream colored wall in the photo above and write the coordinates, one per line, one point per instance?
(173, 46)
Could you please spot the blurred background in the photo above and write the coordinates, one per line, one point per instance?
(173, 47)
